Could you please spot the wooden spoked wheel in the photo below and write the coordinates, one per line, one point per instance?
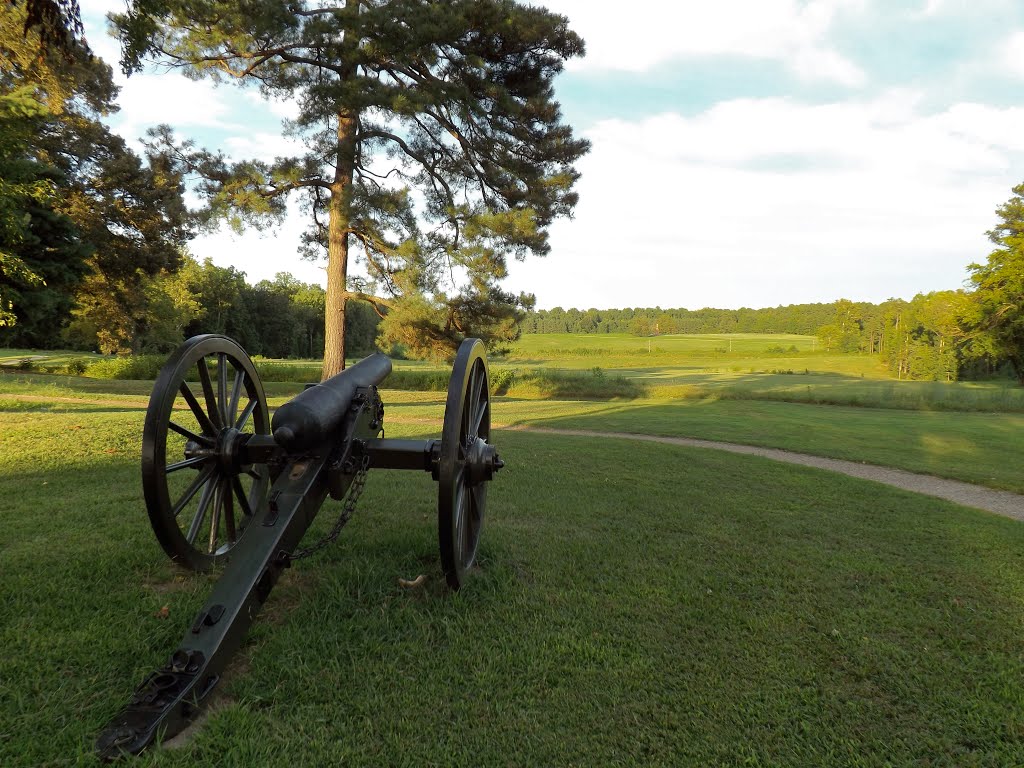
(200, 497)
(466, 462)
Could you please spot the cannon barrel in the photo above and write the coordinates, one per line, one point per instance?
(314, 414)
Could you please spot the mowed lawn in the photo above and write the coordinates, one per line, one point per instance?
(982, 448)
(974, 446)
(636, 604)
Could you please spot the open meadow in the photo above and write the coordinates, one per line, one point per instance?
(634, 603)
(782, 367)
(761, 367)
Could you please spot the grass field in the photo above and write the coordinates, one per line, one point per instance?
(11, 355)
(681, 354)
(762, 367)
(983, 448)
(745, 367)
(636, 604)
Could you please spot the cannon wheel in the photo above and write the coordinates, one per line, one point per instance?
(461, 503)
(207, 397)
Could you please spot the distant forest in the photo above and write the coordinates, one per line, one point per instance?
(933, 336)
(646, 321)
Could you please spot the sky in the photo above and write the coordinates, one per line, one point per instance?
(745, 153)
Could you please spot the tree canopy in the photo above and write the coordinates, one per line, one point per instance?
(82, 218)
(434, 147)
(999, 284)
(40, 256)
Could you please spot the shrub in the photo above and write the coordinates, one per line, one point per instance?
(549, 384)
(132, 367)
(418, 381)
(295, 373)
(76, 366)
(502, 379)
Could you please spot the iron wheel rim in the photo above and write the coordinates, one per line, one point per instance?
(199, 507)
(461, 504)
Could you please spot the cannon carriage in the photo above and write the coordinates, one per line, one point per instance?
(228, 487)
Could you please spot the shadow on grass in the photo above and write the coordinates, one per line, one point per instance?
(647, 605)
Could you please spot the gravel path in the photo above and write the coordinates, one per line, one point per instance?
(1000, 502)
(977, 496)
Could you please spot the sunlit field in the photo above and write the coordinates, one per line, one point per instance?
(634, 603)
(617, 366)
(679, 355)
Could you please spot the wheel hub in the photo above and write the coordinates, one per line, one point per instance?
(227, 450)
(482, 461)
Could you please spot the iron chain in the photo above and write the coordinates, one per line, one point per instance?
(355, 490)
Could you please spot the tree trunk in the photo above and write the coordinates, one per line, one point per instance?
(340, 209)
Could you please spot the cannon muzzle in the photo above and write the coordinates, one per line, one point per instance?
(314, 414)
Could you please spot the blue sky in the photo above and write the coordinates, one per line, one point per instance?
(745, 152)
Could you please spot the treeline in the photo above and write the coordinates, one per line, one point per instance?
(644, 321)
(939, 336)
(281, 318)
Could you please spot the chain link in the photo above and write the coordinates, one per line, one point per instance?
(355, 490)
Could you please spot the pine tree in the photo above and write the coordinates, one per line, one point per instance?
(435, 147)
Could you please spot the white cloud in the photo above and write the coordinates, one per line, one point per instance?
(757, 202)
(261, 255)
(103, 45)
(279, 108)
(822, 64)
(653, 32)
(261, 145)
(1000, 9)
(196, 108)
(884, 135)
(1011, 54)
(100, 8)
(150, 99)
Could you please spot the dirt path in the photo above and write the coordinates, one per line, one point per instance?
(977, 496)
(1000, 502)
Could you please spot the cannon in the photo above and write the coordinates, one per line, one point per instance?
(228, 488)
